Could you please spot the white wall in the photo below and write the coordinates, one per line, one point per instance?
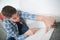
(39, 7)
(14, 3)
(42, 7)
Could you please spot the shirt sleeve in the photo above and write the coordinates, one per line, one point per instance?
(13, 33)
(27, 15)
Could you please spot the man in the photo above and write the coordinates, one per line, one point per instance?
(15, 25)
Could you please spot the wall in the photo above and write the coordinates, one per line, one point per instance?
(42, 7)
(39, 7)
(14, 3)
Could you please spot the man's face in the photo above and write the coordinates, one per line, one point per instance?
(15, 17)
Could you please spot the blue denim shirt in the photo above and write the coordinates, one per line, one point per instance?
(12, 28)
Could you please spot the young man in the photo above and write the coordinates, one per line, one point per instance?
(15, 25)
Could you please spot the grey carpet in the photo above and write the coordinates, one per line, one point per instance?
(56, 33)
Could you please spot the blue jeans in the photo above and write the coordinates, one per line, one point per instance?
(11, 38)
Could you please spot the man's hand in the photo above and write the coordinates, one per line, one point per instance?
(31, 31)
(48, 20)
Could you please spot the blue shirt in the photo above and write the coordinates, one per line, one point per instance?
(12, 28)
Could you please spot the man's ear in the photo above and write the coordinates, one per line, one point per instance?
(1, 16)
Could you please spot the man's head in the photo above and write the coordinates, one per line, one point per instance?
(11, 13)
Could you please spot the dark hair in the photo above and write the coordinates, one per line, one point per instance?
(8, 11)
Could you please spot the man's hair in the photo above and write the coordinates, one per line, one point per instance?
(8, 11)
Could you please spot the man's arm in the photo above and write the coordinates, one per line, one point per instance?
(46, 19)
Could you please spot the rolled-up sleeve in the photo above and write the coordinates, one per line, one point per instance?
(27, 15)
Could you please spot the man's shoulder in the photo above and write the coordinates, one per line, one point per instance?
(6, 23)
(5, 20)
